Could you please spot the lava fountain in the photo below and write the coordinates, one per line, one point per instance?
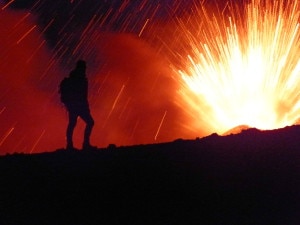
(239, 64)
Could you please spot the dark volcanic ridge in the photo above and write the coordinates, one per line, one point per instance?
(247, 178)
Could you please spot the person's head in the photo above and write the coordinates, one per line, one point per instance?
(81, 65)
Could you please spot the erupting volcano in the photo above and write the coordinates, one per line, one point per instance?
(160, 70)
(240, 64)
(188, 97)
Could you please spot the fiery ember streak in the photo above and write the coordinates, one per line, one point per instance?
(241, 64)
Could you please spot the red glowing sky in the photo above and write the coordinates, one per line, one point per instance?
(132, 91)
(149, 81)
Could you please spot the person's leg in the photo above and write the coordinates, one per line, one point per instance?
(70, 129)
(89, 121)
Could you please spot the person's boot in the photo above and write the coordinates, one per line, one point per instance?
(88, 147)
(70, 147)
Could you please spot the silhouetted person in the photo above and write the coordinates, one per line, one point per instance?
(74, 95)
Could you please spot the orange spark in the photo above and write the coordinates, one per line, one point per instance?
(6, 135)
(161, 122)
(6, 5)
(28, 32)
(37, 141)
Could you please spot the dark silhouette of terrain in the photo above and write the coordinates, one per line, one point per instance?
(247, 178)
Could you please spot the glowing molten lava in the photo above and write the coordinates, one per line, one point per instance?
(242, 64)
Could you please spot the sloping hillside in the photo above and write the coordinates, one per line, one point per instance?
(247, 178)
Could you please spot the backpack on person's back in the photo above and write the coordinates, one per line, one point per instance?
(66, 90)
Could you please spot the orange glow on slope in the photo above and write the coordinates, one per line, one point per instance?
(241, 65)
